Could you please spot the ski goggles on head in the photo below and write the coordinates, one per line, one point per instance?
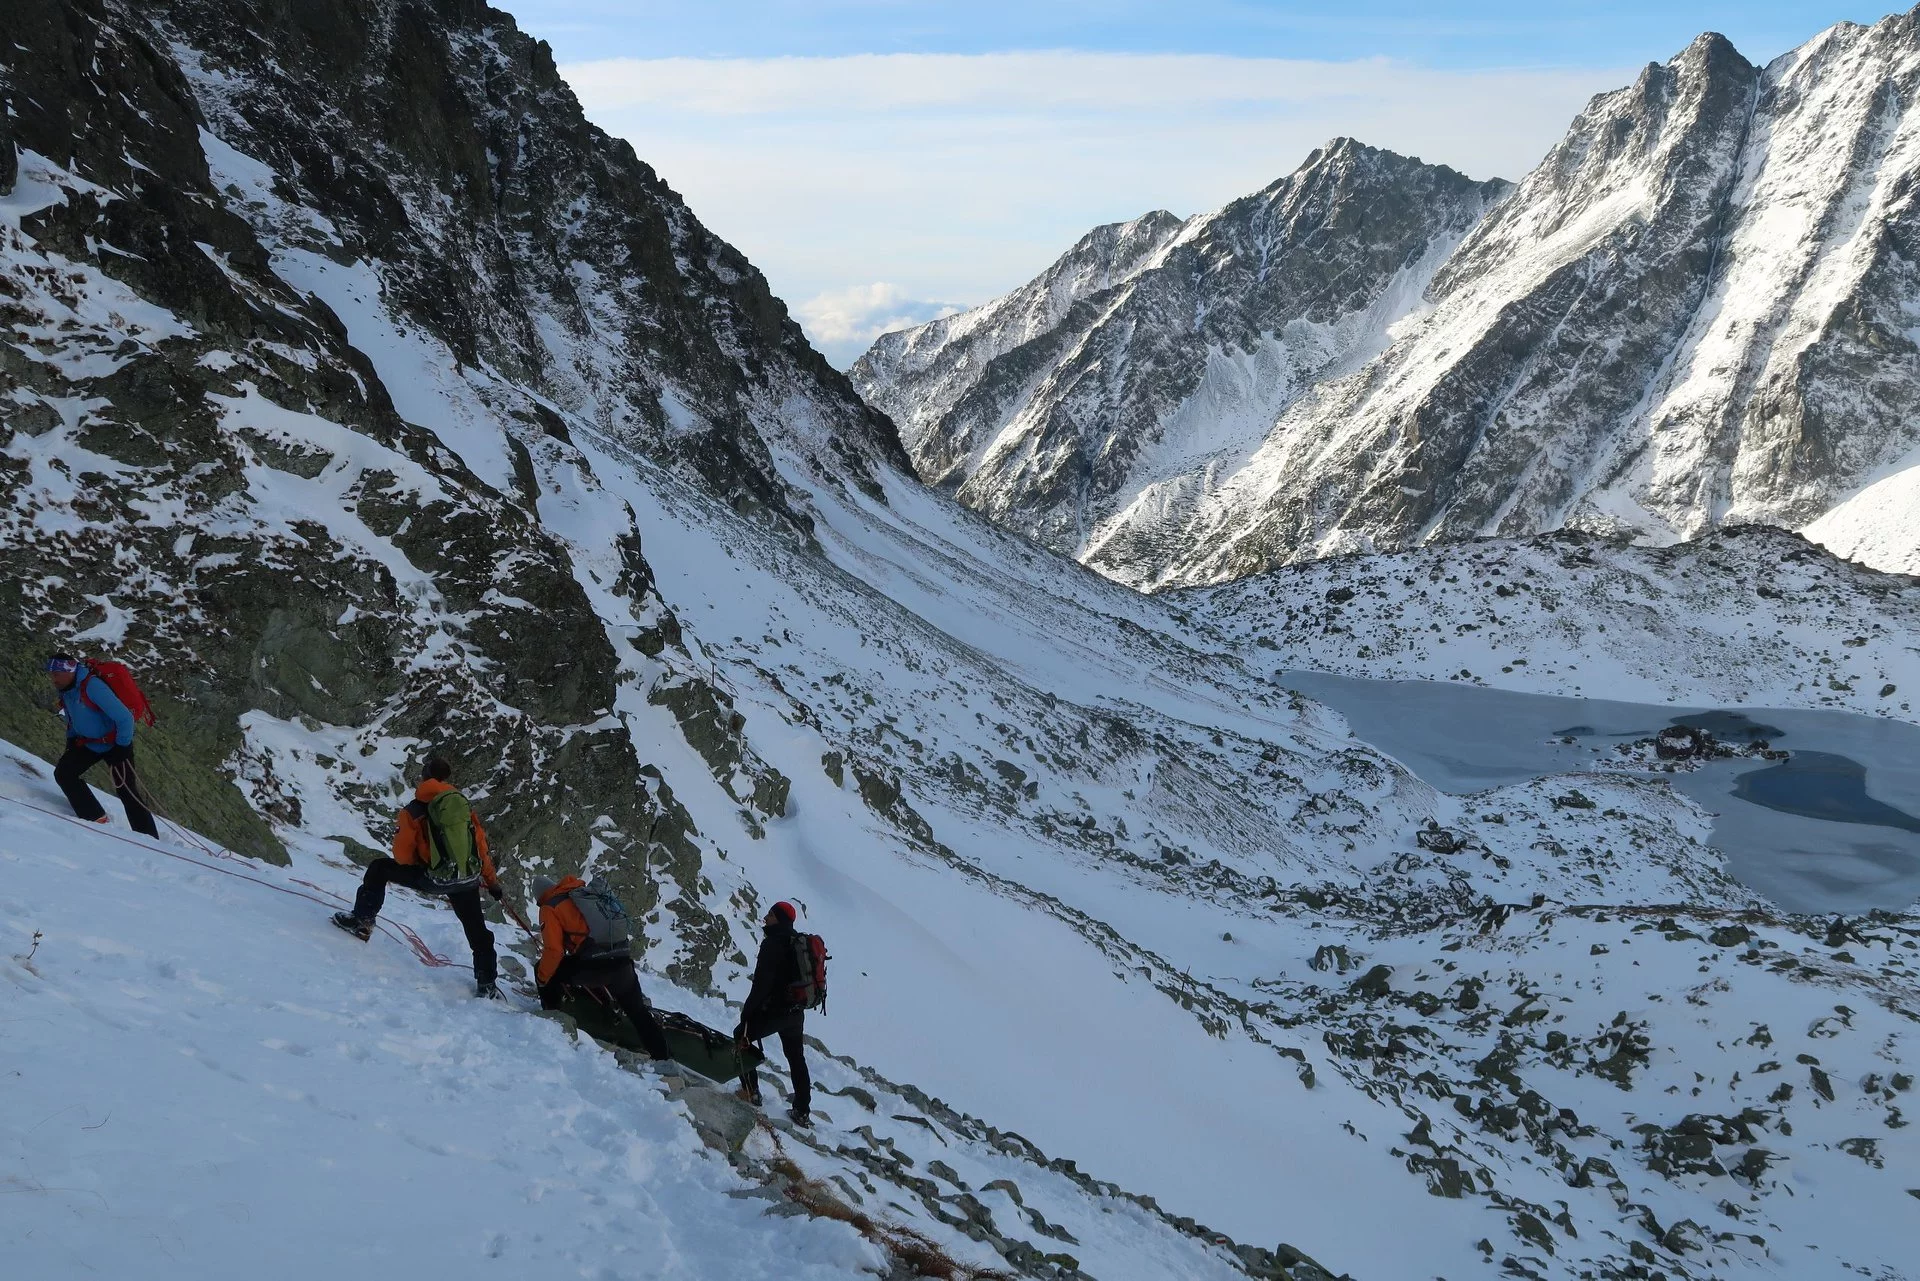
(63, 664)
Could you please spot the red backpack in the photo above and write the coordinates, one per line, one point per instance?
(810, 952)
(118, 678)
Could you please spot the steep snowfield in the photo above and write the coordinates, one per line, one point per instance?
(1879, 526)
(948, 617)
(205, 1079)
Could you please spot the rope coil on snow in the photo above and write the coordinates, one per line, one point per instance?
(426, 954)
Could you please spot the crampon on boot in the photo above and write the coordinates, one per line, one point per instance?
(361, 927)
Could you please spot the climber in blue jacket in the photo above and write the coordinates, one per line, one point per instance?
(99, 728)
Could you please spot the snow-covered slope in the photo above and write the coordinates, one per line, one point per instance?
(1696, 311)
(202, 1084)
(1745, 616)
(1878, 526)
(298, 346)
(1096, 402)
(1116, 919)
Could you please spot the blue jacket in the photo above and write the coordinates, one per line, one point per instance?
(107, 723)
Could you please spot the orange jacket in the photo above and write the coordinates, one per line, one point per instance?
(562, 928)
(411, 844)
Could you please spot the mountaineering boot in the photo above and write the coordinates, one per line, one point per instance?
(361, 927)
(799, 1118)
(490, 990)
(748, 1094)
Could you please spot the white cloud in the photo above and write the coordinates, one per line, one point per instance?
(1021, 82)
(1044, 81)
(960, 176)
(844, 322)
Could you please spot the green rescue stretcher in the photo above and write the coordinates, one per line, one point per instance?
(695, 1046)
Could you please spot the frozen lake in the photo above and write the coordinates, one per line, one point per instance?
(1834, 828)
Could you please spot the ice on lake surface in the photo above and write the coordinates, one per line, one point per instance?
(1834, 828)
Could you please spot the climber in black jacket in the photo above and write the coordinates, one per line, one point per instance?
(770, 1011)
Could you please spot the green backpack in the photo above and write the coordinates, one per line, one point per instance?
(453, 863)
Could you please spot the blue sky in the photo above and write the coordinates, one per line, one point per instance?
(1486, 33)
(883, 161)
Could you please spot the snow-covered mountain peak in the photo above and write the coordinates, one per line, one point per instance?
(1615, 345)
(1624, 155)
(1066, 411)
(944, 358)
(1696, 310)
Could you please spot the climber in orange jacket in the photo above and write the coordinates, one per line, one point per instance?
(437, 821)
(571, 955)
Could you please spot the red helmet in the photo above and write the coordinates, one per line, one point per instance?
(783, 910)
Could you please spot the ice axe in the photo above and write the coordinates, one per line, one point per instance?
(506, 905)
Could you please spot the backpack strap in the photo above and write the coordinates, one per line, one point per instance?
(439, 854)
(92, 706)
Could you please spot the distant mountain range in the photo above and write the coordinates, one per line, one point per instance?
(1701, 309)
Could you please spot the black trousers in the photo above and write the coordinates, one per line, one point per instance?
(70, 772)
(791, 1029)
(618, 979)
(383, 872)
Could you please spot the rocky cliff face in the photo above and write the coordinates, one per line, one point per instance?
(1096, 402)
(1696, 311)
(439, 142)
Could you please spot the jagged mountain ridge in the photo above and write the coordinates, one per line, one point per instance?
(1155, 353)
(1694, 312)
(1691, 314)
(919, 375)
